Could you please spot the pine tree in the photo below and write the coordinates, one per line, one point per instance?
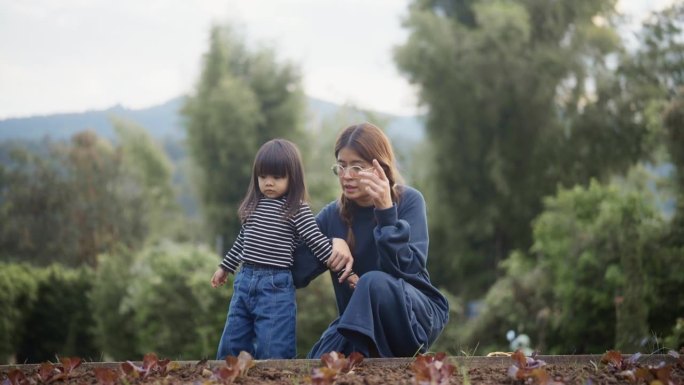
(242, 99)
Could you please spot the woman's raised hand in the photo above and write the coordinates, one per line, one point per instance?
(341, 259)
(377, 185)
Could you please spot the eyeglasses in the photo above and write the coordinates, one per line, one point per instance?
(354, 171)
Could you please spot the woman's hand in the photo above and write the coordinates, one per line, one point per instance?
(219, 277)
(341, 259)
(377, 185)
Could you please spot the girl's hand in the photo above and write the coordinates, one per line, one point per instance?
(341, 259)
(219, 278)
(377, 185)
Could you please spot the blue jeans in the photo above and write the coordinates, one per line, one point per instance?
(261, 316)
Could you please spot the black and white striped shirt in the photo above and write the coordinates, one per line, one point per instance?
(266, 238)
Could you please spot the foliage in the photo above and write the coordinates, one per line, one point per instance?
(593, 241)
(75, 200)
(172, 307)
(511, 114)
(47, 373)
(151, 364)
(448, 341)
(676, 339)
(657, 68)
(114, 329)
(316, 308)
(150, 170)
(61, 297)
(632, 370)
(432, 369)
(243, 98)
(18, 290)
(529, 369)
(585, 288)
(334, 364)
(234, 367)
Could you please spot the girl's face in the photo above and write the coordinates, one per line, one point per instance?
(273, 186)
(348, 162)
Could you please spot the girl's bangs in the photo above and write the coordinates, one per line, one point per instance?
(270, 163)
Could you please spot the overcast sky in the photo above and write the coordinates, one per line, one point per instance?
(77, 55)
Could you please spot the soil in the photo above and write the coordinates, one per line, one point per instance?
(580, 370)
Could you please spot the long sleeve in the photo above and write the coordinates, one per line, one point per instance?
(232, 259)
(306, 266)
(307, 229)
(401, 236)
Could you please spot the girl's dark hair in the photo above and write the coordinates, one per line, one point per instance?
(277, 157)
(369, 142)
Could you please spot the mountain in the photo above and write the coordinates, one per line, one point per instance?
(164, 121)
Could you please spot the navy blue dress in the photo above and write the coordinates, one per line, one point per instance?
(394, 307)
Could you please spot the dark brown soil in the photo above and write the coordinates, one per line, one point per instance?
(578, 370)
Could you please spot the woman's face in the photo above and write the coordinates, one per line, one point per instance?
(349, 178)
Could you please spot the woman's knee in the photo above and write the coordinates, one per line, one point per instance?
(375, 280)
(380, 287)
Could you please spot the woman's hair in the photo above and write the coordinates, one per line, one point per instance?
(281, 158)
(369, 142)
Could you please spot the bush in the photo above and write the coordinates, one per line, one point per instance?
(581, 288)
(170, 303)
(18, 290)
(59, 322)
(114, 326)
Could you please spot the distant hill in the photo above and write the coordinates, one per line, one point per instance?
(165, 122)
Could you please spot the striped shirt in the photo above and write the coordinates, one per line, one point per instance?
(266, 238)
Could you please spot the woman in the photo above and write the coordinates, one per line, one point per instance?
(393, 310)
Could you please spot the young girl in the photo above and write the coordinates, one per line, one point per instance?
(275, 217)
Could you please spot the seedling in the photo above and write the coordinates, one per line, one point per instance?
(235, 367)
(334, 364)
(432, 369)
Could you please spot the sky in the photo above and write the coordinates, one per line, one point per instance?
(78, 55)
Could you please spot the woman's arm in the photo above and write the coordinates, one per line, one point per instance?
(401, 235)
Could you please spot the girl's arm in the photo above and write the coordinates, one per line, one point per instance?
(306, 266)
(232, 259)
(401, 235)
(307, 229)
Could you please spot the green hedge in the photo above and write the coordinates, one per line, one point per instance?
(18, 290)
(160, 300)
(45, 313)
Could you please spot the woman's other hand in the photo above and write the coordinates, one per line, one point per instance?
(377, 186)
(341, 259)
(352, 280)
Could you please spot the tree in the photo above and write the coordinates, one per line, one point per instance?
(583, 288)
(150, 171)
(242, 99)
(510, 115)
(69, 202)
